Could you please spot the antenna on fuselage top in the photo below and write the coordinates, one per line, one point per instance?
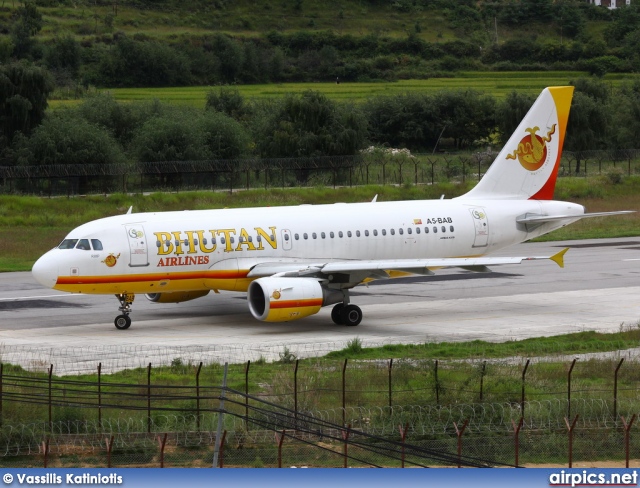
(442, 197)
(130, 209)
(375, 199)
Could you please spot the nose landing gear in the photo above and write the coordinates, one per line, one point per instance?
(124, 321)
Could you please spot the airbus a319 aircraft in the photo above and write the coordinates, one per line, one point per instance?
(292, 261)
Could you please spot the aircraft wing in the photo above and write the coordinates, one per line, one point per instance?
(379, 268)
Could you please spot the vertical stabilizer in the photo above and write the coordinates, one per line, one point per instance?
(527, 166)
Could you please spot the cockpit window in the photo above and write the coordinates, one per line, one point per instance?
(68, 244)
(83, 244)
(97, 245)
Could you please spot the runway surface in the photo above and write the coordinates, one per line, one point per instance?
(599, 289)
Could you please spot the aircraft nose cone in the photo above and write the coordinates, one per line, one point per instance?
(45, 271)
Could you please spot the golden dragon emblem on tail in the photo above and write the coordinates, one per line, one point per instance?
(532, 149)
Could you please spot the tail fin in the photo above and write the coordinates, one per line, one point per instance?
(527, 166)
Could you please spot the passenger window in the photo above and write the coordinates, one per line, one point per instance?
(232, 239)
(409, 231)
(426, 230)
(272, 237)
(213, 241)
(323, 235)
(366, 233)
(348, 233)
(417, 230)
(314, 235)
(451, 228)
(297, 237)
(251, 238)
(68, 244)
(259, 239)
(375, 232)
(340, 234)
(444, 229)
(205, 241)
(158, 244)
(384, 232)
(305, 236)
(393, 232)
(222, 240)
(435, 229)
(83, 244)
(400, 231)
(357, 233)
(167, 243)
(332, 235)
(286, 237)
(195, 242)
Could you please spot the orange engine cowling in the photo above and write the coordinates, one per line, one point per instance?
(176, 297)
(283, 299)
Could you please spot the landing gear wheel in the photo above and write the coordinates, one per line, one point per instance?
(122, 322)
(351, 315)
(336, 314)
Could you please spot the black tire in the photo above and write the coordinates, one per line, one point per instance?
(351, 315)
(336, 314)
(122, 322)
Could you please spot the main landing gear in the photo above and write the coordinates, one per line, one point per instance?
(346, 314)
(124, 321)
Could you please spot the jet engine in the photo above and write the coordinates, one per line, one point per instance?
(283, 299)
(176, 297)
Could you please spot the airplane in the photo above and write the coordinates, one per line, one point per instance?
(292, 261)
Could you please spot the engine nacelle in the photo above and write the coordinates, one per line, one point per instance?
(283, 299)
(176, 297)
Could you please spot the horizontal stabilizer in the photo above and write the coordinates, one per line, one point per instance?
(539, 219)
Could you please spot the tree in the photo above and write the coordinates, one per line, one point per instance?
(63, 56)
(24, 89)
(310, 125)
(227, 101)
(28, 24)
(510, 112)
(588, 127)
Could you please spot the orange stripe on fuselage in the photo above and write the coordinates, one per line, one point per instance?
(204, 275)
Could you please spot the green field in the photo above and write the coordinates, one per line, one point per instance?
(30, 226)
(496, 84)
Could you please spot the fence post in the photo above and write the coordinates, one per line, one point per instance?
(109, 442)
(627, 429)
(295, 393)
(524, 372)
(615, 390)
(223, 394)
(482, 371)
(516, 436)
(198, 396)
(1, 395)
(459, 433)
(224, 436)
(162, 441)
(100, 394)
(149, 398)
(246, 395)
(344, 391)
(403, 437)
(570, 429)
(435, 372)
(569, 388)
(345, 449)
(45, 450)
(390, 390)
(50, 400)
(280, 439)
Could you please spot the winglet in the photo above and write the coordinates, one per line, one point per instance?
(559, 257)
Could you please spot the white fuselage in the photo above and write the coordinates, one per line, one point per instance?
(216, 249)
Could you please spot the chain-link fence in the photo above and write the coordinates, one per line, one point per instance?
(378, 167)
